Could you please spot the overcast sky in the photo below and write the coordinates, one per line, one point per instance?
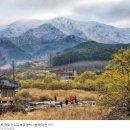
(114, 12)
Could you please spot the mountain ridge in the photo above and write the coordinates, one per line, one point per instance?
(90, 30)
(12, 52)
(37, 38)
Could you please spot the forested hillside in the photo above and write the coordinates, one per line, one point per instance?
(88, 51)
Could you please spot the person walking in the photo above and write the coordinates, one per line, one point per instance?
(75, 99)
(70, 100)
(66, 101)
(61, 104)
(55, 98)
(50, 100)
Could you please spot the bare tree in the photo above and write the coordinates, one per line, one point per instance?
(2, 59)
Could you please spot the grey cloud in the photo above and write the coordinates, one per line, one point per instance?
(110, 12)
(35, 4)
(11, 10)
(117, 11)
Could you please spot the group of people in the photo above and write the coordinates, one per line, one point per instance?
(68, 101)
(71, 100)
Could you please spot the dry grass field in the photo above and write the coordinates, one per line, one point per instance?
(69, 112)
(90, 112)
(36, 94)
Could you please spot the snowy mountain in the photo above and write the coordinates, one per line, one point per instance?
(38, 37)
(19, 27)
(87, 30)
(68, 26)
(45, 37)
(92, 31)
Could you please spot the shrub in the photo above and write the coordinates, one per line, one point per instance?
(44, 98)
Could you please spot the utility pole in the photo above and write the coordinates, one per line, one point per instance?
(13, 69)
(50, 59)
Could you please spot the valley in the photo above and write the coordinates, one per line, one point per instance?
(65, 59)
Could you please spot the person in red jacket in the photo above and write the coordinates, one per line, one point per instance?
(70, 100)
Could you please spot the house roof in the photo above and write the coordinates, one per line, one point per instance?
(7, 83)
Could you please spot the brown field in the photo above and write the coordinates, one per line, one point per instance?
(35, 94)
(73, 112)
(82, 66)
(67, 113)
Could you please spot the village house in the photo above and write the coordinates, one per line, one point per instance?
(7, 91)
(65, 74)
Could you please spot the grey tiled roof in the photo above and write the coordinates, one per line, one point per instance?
(5, 82)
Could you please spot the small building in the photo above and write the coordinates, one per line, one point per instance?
(66, 74)
(7, 91)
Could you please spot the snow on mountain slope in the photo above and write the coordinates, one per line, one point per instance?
(92, 30)
(87, 30)
(38, 37)
(19, 27)
(39, 41)
(34, 39)
(105, 33)
(47, 31)
(68, 26)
